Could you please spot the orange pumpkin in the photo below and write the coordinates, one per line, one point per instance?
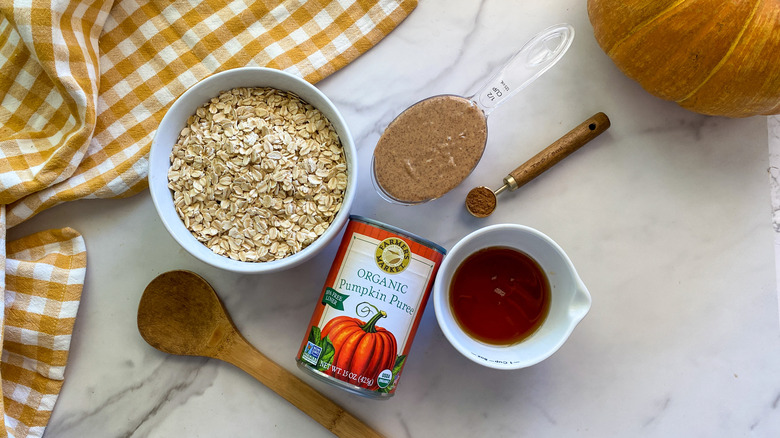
(362, 348)
(714, 57)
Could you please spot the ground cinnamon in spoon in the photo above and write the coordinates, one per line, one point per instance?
(481, 201)
(430, 148)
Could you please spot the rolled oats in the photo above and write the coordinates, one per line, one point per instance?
(257, 174)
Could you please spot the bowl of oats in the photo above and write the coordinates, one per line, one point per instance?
(253, 170)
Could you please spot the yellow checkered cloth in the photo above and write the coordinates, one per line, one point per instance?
(83, 85)
(44, 274)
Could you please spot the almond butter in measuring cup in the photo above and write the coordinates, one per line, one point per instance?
(433, 145)
(429, 149)
(372, 302)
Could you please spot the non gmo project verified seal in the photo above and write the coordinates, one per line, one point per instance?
(311, 353)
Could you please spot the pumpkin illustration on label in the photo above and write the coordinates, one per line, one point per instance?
(362, 350)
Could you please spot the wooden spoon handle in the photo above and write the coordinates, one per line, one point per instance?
(301, 395)
(562, 148)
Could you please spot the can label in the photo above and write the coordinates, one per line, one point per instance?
(370, 307)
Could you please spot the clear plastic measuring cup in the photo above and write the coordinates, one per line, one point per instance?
(433, 145)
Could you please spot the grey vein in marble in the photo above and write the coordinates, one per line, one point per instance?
(669, 229)
(169, 386)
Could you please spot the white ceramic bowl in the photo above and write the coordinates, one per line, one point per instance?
(175, 119)
(570, 300)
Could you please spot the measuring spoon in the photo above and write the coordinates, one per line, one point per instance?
(481, 201)
(433, 145)
(180, 313)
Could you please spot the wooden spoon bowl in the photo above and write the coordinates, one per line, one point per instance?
(180, 313)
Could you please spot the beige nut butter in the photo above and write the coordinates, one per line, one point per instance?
(430, 148)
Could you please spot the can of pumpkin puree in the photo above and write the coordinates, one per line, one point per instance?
(372, 302)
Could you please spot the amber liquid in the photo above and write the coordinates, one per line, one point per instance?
(500, 296)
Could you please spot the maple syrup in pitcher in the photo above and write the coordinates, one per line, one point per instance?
(500, 296)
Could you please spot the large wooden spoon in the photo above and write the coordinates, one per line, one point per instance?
(180, 313)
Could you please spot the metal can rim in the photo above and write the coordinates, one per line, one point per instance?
(391, 228)
(353, 389)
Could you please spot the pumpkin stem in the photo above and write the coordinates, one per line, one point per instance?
(370, 326)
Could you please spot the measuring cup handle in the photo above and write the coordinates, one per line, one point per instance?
(533, 59)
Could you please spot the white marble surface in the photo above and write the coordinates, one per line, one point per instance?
(667, 217)
(773, 125)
